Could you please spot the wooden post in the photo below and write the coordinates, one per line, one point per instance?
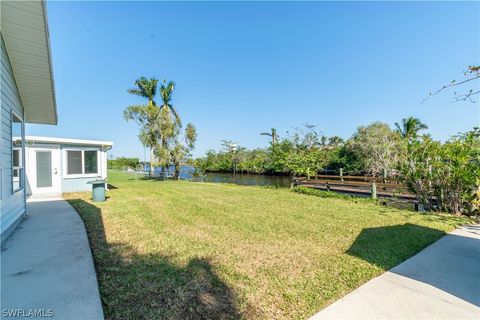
(374, 191)
(328, 186)
(341, 174)
(385, 173)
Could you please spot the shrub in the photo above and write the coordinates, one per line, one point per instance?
(123, 162)
(444, 177)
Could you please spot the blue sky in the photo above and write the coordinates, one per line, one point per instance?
(244, 67)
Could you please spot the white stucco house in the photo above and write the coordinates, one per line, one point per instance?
(27, 96)
(57, 165)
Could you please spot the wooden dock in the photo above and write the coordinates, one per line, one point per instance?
(358, 185)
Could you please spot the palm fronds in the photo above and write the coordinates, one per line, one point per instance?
(409, 127)
(146, 88)
(166, 93)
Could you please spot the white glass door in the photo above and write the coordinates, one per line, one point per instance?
(45, 174)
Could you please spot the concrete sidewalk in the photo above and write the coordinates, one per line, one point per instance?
(47, 266)
(440, 282)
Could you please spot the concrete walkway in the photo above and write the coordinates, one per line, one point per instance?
(47, 266)
(440, 282)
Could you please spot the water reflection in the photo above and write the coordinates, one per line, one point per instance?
(248, 179)
(188, 173)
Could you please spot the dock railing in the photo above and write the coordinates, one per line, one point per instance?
(384, 187)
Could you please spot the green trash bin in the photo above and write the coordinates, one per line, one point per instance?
(98, 190)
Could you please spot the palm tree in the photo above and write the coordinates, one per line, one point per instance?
(410, 127)
(273, 134)
(168, 127)
(166, 92)
(147, 88)
(146, 116)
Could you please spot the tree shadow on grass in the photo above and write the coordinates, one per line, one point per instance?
(451, 266)
(151, 286)
(387, 246)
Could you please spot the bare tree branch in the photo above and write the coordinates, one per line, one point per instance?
(466, 96)
(473, 73)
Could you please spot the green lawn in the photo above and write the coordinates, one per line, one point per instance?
(183, 250)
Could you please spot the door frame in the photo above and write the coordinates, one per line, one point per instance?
(56, 169)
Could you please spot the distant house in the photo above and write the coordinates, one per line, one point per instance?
(27, 96)
(56, 165)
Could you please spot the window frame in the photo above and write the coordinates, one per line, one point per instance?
(66, 175)
(21, 168)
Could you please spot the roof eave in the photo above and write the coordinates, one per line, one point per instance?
(47, 35)
(25, 33)
(54, 140)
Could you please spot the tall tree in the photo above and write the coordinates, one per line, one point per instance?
(160, 125)
(409, 127)
(377, 147)
(166, 93)
(272, 134)
(169, 129)
(231, 150)
(146, 88)
(174, 150)
(146, 116)
(183, 149)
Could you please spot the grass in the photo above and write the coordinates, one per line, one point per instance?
(183, 250)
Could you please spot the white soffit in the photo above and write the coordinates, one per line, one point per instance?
(25, 33)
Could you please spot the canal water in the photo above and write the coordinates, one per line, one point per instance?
(248, 179)
(187, 173)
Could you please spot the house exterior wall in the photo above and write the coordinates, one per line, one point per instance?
(12, 204)
(78, 183)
